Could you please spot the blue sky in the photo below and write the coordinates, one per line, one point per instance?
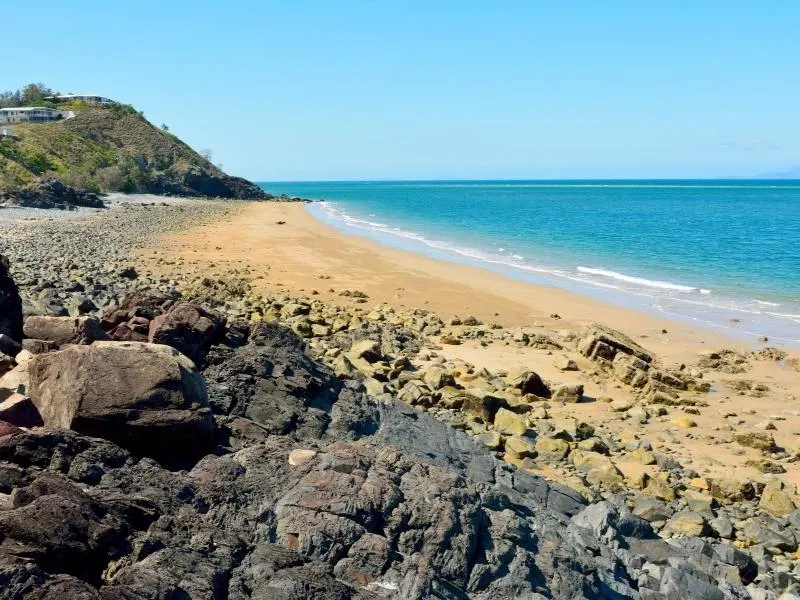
(316, 90)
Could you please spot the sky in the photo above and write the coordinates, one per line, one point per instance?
(452, 89)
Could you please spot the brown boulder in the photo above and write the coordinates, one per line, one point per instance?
(64, 330)
(145, 397)
(187, 328)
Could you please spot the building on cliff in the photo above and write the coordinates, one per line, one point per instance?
(87, 98)
(33, 114)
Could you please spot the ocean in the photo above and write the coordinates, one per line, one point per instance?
(723, 254)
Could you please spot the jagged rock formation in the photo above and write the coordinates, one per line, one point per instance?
(316, 490)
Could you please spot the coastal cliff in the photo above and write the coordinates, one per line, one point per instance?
(106, 149)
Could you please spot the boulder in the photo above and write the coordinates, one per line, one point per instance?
(569, 393)
(510, 423)
(519, 447)
(64, 330)
(686, 523)
(651, 509)
(10, 303)
(145, 397)
(16, 380)
(188, 328)
(9, 346)
(776, 500)
(601, 342)
(760, 440)
(630, 370)
(19, 410)
(552, 449)
(572, 428)
(527, 382)
(368, 350)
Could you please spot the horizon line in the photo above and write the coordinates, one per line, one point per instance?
(539, 179)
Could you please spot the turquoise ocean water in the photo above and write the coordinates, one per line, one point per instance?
(724, 253)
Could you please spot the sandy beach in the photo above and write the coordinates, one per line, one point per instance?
(283, 249)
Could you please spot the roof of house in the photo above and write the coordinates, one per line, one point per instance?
(26, 108)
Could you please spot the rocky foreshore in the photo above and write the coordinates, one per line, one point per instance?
(176, 435)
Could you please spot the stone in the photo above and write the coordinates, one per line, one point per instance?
(775, 500)
(768, 534)
(684, 422)
(64, 330)
(730, 489)
(491, 439)
(641, 456)
(9, 346)
(630, 370)
(599, 341)
(651, 509)
(20, 411)
(188, 328)
(374, 387)
(10, 303)
(369, 350)
(551, 449)
(300, 456)
(575, 429)
(621, 405)
(17, 380)
(519, 447)
(437, 378)
(605, 475)
(586, 461)
(659, 488)
(38, 346)
(482, 404)
(760, 440)
(527, 382)
(566, 364)
(510, 423)
(570, 393)
(686, 523)
(722, 526)
(148, 398)
(763, 465)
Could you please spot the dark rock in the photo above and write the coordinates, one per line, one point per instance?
(9, 346)
(50, 193)
(10, 304)
(19, 410)
(394, 504)
(38, 346)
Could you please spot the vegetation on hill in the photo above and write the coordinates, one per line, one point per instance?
(33, 94)
(111, 149)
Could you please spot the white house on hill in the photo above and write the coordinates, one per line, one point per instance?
(32, 114)
(88, 98)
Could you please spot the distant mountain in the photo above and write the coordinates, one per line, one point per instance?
(793, 173)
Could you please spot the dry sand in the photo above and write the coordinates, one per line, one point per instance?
(302, 256)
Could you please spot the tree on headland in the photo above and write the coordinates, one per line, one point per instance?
(33, 94)
(165, 127)
(207, 154)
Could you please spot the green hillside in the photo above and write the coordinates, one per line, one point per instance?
(112, 149)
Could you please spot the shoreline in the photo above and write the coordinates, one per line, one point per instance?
(516, 302)
(718, 314)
